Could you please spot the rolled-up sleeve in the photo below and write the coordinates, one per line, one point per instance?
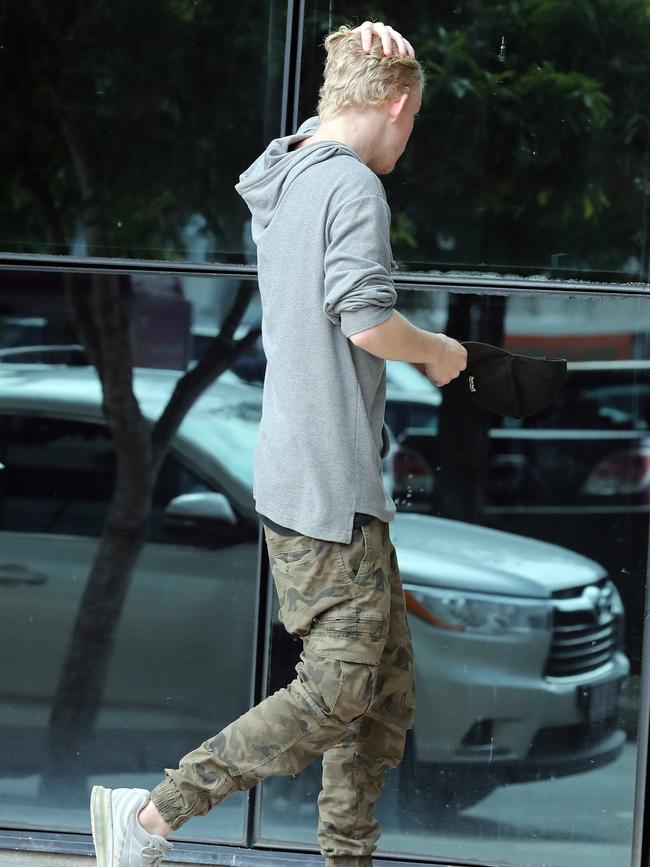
(359, 290)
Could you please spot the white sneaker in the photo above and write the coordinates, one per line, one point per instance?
(120, 840)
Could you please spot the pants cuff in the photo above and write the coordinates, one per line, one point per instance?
(170, 804)
(348, 861)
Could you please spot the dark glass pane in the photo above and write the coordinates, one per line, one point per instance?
(127, 623)
(522, 544)
(58, 477)
(127, 125)
(530, 154)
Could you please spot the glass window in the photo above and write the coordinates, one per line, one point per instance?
(529, 156)
(522, 545)
(119, 608)
(126, 128)
(58, 475)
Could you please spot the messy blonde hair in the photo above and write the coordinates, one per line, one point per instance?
(354, 79)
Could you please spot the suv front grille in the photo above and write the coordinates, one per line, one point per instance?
(585, 633)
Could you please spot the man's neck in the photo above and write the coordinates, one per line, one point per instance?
(355, 131)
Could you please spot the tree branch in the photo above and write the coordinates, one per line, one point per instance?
(219, 357)
(36, 186)
(121, 409)
(239, 307)
(84, 323)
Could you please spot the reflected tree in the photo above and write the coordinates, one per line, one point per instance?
(101, 319)
(124, 121)
(532, 146)
(112, 152)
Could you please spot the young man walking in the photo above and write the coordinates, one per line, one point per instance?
(321, 222)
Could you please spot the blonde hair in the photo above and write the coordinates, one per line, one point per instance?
(354, 79)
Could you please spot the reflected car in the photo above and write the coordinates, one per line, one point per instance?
(520, 662)
(588, 452)
(590, 449)
(577, 474)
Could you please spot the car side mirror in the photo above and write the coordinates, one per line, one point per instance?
(204, 511)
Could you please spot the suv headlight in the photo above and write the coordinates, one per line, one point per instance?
(477, 612)
(616, 602)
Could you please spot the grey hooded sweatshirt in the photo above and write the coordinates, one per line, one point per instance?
(321, 224)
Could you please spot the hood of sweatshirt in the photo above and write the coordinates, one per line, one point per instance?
(263, 184)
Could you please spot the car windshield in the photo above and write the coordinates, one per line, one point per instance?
(228, 433)
(402, 376)
(627, 406)
(617, 406)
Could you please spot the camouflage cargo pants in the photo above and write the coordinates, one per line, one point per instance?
(352, 699)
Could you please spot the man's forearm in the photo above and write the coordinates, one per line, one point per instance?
(399, 340)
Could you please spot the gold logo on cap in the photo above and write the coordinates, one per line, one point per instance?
(472, 386)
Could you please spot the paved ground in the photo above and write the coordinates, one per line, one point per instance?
(579, 821)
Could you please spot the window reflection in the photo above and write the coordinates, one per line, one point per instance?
(522, 548)
(112, 150)
(120, 598)
(530, 152)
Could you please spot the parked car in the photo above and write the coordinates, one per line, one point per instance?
(577, 474)
(589, 450)
(518, 643)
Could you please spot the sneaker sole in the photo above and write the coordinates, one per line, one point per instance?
(101, 823)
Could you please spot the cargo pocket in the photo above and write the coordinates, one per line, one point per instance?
(294, 559)
(292, 569)
(354, 556)
(286, 550)
(341, 691)
(349, 640)
(307, 580)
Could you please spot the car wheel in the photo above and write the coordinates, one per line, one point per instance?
(442, 789)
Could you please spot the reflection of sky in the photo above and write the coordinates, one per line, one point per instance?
(568, 314)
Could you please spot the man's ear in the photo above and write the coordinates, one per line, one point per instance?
(396, 105)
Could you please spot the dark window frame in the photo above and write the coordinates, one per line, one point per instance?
(257, 854)
(261, 854)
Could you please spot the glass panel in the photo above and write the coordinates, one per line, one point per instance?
(126, 131)
(530, 154)
(522, 544)
(121, 598)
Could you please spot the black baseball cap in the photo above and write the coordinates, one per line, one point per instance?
(510, 384)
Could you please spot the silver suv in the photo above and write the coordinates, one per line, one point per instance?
(519, 643)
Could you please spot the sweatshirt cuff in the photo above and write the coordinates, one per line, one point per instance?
(354, 321)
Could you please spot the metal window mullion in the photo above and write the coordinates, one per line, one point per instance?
(292, 59)
(259, 678)
(407, 280)
(641, 835)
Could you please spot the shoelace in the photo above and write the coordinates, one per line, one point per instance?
(151, 854)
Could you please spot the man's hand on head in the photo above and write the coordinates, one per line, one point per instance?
(387, 35)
